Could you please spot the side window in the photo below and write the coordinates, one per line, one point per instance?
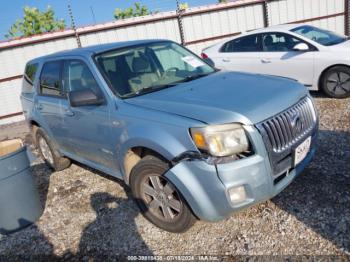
(50, 79)
(249, 43)
(28, 78)
(77, 76)
(279, 42)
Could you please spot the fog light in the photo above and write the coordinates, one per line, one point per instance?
(237, 194)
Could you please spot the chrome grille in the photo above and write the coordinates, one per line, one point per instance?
(288, 127)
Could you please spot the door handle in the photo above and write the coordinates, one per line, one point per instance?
(266, 61)
(68, 112)
(226, 60)
(39, 106)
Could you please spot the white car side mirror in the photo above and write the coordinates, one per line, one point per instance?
(301, 47)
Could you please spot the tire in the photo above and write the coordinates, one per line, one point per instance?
(48, 152)
(335, 82)
(158, 199)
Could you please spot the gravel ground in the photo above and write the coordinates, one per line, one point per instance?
(88, 213)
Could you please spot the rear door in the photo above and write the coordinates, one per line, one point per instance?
(49, 102)
(240, 54)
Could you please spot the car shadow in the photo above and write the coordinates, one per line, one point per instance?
(114, 231)
(318, 94)
(320, 196)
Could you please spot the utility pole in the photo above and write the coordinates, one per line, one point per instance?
(73, 25)
(179, 21)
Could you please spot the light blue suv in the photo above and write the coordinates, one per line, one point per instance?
(191, 141)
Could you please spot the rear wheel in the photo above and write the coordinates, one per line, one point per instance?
(49, 154)
(336, 82)
(159, 200)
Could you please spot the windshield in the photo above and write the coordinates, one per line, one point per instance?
(146, 68)
(320, 36)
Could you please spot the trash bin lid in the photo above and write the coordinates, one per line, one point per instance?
(13, 158)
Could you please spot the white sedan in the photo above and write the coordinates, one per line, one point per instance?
(317, 58)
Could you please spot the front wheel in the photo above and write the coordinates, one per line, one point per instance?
(336, 82)
(159, 200)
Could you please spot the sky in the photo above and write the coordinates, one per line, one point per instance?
(11, 10)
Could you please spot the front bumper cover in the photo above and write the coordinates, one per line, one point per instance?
(205, 186)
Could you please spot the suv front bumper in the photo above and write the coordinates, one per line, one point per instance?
(206, 186)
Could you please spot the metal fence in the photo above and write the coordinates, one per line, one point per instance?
(201, 27)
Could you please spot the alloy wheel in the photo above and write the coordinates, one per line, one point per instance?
(338, 83)
(161, 197)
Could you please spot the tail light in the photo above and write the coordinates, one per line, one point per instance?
(204, 56)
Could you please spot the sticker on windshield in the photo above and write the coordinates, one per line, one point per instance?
(192, 61)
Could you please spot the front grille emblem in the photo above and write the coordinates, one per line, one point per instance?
(296, 123)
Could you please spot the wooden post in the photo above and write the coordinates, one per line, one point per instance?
(179, 21)
(346, 16)
(265, 13)
(73, 26)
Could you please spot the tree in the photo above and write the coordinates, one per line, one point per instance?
(35, 21)
(137, 10)
(183, 6)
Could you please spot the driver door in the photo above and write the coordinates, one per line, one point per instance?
(90, 133)
(279, 58)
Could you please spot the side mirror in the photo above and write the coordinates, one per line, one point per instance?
(301, 47)
(85, 97)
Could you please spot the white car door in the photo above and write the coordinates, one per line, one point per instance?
(279, 58)
(240, 54)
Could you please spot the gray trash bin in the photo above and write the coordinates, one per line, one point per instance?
(19, 199)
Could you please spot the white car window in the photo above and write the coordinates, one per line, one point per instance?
(279, 42)
(250, 43)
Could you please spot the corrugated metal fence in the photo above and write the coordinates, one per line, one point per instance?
(202, 26)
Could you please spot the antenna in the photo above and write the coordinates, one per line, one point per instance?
(73, 25)
(93, 14)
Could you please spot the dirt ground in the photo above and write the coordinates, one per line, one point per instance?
(91, 215)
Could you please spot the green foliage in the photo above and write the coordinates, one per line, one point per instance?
(137, 10)
(35, 21)
(183, 6)
(222, 1)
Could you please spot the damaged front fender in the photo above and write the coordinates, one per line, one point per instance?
(199, 184)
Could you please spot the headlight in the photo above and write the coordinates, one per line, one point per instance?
(221, 140)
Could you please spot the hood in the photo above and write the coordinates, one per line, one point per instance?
(226, 97)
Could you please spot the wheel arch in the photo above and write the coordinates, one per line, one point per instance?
(33, 126)
(132, 153)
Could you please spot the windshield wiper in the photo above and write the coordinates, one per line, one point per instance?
(148, 89)
(193, 77)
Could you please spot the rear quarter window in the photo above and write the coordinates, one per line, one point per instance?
(29, 77)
